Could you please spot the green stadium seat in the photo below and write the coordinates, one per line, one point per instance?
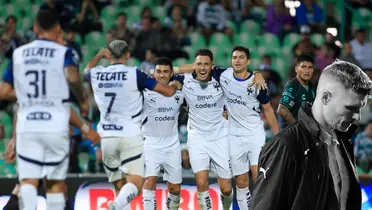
(291, 39)
(364, 14)
(317, 39)
(286, 51)
(110, 12)
(189, 50)
(160, 12)
(270, 42)
(95, 38)
(24, 24)
(246, 40)
(281, 66)
(133, 12)
(10, 9)
(255, 64)
(197, 40)
(250, 26)
(220, 39)
(180, 62)
(133, 62)
(232, 25)
(145, 2)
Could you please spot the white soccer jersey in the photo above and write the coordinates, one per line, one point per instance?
(41, 88)
(118, 93)
(205, 108)
(160, 120)
(243, 104)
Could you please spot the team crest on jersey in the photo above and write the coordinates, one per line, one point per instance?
(217, 86)
(250, 91)
(177, 99)
(152, 100)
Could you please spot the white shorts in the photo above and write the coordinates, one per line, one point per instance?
(205, 155)
(169, 160)
(122, 155)
(42, 155)
(245, 151)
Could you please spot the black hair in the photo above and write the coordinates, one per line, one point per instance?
(47, 19)
(164, 61)
(205, 52)
(242, 49)
(304, 58)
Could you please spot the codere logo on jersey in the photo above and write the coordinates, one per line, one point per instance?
(236, 101)
(205, 105)
(165, 118)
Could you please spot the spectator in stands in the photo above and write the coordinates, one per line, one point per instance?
(309, 13)
(9, 39)
(178, 25)
(87, 19)
(149, 62)
(331, 41)
(305, 46)
(348, 55)
(362, 49)
(249, 13)
(363, 148)
(278, 19)
(121, 31)
(211, 18)
(145, 14)
(324, 57)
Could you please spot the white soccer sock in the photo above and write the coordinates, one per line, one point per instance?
(55, 201)
(244, 198)
(148, 199)
(226, 201)
(127, 193)
(173, 201)
(27, 197)
(204, 200)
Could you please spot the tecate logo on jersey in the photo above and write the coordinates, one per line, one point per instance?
(110, 85)
(97, 196)
(236, 101)
(206, 105)
(165, 118)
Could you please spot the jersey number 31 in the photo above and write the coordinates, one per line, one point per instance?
(38, 83)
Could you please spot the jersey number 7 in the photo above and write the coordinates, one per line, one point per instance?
(112, 96)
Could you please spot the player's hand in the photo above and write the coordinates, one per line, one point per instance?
(105, 53)
(176, 84)
(258, 82)
(10, 154)
(93, 136)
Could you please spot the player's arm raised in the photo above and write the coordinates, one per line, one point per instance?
(145, 81)
(268, 110)
(104, 53)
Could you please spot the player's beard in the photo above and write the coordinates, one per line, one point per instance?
(203, 85)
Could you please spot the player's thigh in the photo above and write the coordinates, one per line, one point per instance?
(132, 160)
(153, 162)
(111, 158)
(220, 158)
(56, 155)
(30, 156)
(256, 143)
(238, 155)
(173, 166)
(199, 158)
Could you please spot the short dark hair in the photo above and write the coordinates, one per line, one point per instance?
(350, 75)
(11, 17)
(242, 49)
(304, 58)
(164, 61)
(121, 14)
(204, 52)
(47, 19)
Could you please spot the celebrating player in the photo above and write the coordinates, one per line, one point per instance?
(162, 146)
(42, 145)
(117, 92)
(246, 130)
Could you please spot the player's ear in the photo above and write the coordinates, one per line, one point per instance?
(326, 97)
(128, 55)
(249, 61)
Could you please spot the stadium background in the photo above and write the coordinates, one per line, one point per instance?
(275, 35)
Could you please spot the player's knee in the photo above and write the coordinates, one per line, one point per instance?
(55, 186)
(226, 191)
(174, 189)
(150, 183)
(242, 181)
(33, 182)
(202, 185)
(136, 180)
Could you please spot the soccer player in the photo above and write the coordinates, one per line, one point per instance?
(38, 70)
(162, 146)
(118, 93)
(298, 90)
(246, 130)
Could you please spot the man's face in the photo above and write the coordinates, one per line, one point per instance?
(239, 61)
(360, 36)
(305, 70)
(163, 74)
(203, 67)
(343, 107)
(121, 21)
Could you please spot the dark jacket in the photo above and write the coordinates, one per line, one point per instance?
(294, 173)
